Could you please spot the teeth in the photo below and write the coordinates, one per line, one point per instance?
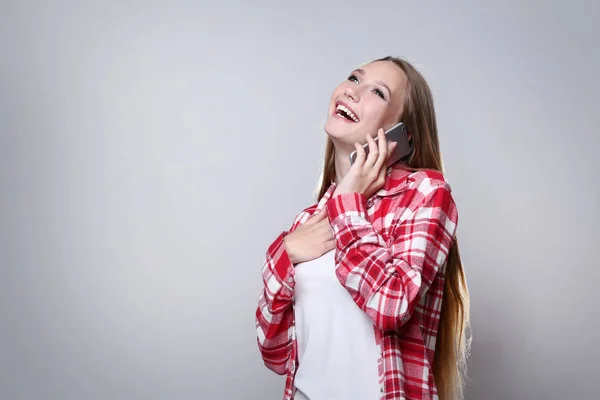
(350, 113)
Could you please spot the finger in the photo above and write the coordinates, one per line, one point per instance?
(312, 220)
(390, 152)
(381, 177)
(383, 149)
(328, 229)
(373, 152)
(324, 227)
(393, 146)
(378, 181)
(360, 155)
(319, 216)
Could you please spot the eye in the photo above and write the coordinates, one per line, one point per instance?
(353, 78)
(379, 93)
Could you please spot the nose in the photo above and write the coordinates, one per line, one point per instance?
(351, 94)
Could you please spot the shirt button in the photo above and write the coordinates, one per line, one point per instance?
(370, 202)
(381, 390)
(290, 279)
(404, 318)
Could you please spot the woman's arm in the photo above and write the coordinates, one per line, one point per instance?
(275, 315)
(388, 282)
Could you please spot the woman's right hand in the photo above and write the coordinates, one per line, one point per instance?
(310, 240)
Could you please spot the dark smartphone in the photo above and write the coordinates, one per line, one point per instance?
(397, 133)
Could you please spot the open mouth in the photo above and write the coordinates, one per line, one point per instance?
(344, 112)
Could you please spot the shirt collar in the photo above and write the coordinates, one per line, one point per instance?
(396, 180)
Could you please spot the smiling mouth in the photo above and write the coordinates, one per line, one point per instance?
(345, 113)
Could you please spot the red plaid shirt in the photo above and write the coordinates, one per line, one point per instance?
(391, 257)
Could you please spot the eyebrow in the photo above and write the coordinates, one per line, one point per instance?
(362, 72)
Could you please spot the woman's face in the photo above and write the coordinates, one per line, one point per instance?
(371, 98)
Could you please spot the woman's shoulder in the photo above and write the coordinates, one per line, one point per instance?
(422, 188)
(402, 178)
(428, 177)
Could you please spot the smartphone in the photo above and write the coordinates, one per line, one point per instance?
(397, 133)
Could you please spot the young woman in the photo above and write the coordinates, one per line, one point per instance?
(365, 297)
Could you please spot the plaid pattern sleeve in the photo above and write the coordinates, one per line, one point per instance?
(387, 280)
(275, 314)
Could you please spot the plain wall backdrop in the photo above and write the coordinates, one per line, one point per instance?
(151, 151)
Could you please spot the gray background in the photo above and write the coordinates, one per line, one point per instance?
(150, 152)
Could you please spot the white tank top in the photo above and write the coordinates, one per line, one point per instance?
(337, 353)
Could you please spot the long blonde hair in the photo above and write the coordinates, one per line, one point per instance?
(453, 338)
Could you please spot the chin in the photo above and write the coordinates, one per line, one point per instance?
(340, 131)
(333, 132)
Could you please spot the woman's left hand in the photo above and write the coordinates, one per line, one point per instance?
(367, 175)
